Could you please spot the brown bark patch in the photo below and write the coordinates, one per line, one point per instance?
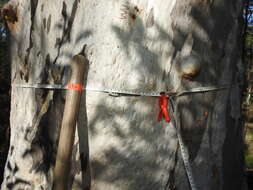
(10, 16)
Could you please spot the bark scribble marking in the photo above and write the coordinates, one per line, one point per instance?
(71, 20)
(25, 68)
(17, 182)
(14, 181)
(67, 26)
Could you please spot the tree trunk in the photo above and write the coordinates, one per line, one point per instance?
(133, 45)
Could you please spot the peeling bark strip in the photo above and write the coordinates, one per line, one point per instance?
(67, 135)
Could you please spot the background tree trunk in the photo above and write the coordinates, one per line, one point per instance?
(132, 45)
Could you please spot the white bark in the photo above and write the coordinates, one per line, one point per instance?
(131, 45)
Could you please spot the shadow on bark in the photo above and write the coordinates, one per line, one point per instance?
(196, 110)
(125, 162)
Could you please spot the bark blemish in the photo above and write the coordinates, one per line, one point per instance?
(57, 74)
(150, 19)
(129, 12)
(42, 7)
(46, 69)
(48, 23)
(136, 9)
(21, 75)
(9, 165)
(11, 150)
(64, 10)
(57, 42)
(132, 16)
(26, 76)
(44, 23)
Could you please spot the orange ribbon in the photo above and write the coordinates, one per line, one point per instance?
(74, 86)
(163, 104)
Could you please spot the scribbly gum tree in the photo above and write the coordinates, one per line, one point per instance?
(134, 45)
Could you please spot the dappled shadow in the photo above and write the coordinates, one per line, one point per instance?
(123, 157)
(35, 63)
(195, 111)
(131, 150)
(226, 55)
(127, 146)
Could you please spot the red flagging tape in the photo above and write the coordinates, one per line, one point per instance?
(163, 104)
(74, 86)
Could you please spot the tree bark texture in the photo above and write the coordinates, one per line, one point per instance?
(134, 45)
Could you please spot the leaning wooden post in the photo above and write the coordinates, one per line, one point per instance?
(67, 134)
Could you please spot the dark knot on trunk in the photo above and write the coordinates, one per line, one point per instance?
(189, 66)
(9, 13)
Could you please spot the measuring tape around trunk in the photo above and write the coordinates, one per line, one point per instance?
(183, 149)
(187, 165)
(119, 92)
(122, 92)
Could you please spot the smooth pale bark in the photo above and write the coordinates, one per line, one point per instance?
(132, 45)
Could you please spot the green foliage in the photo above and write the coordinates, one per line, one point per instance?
(248, 100)
(249, 37)
(249, 146)
(3, 2)
(249, 160)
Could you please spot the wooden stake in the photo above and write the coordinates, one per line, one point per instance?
(67, 134)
